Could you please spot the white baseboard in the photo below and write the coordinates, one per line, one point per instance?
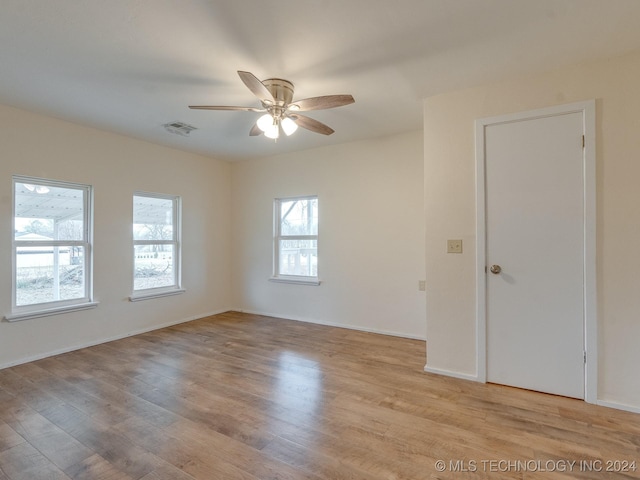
(437, 371)
(332, 324)
(618, 406)
(474, 378)
(52, 353)
(451, 373)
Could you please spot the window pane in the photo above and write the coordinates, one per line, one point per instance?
(48, 274)
(299, 257)
(45, 213)
(152, 218)
(299, 217)
(154, 266)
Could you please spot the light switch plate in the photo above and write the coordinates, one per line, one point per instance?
(454, 246)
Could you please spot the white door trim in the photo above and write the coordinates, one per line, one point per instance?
(588, 110)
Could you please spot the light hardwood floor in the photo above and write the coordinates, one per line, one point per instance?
(238, 396)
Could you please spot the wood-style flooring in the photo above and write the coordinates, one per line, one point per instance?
(238, 396)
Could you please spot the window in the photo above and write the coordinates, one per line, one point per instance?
(296, 240)
(156, 245)
(51, 247)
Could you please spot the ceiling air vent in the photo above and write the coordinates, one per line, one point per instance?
(179, 128)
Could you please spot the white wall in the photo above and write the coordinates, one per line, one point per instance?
(371, 252)
(450, 213)
(116, 166)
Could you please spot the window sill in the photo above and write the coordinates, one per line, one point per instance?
(137, 297)
(46, 312)
(296, 280)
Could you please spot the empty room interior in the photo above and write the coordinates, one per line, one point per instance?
(278, 239)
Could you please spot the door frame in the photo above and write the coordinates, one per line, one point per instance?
(588, 111)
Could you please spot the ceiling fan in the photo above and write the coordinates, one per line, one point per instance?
(281, 112)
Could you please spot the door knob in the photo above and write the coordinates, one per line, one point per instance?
(495, 269)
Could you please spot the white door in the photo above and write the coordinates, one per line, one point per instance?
(535, 236)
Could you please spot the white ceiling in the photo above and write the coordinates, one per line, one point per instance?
(130, 66)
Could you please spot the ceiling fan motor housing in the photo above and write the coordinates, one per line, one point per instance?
(282, 90)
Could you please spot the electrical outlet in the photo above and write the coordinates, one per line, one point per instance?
(454, 246)
(422, 285)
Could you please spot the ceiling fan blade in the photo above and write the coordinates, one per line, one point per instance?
(321, 103)
(257, 87)
(311, 124)
(225, 107)
(255, 131)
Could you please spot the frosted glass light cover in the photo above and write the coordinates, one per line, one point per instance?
(265, 122)
(289, 126)
(272, 132)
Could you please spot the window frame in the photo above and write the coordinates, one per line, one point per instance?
(278, 236)
(176, 242)
(35, 310)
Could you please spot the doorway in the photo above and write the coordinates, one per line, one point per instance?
(536, 250)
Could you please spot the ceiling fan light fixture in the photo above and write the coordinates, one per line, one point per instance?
(288, 126)
(265, 122)
(273, 132)
(270, 126)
